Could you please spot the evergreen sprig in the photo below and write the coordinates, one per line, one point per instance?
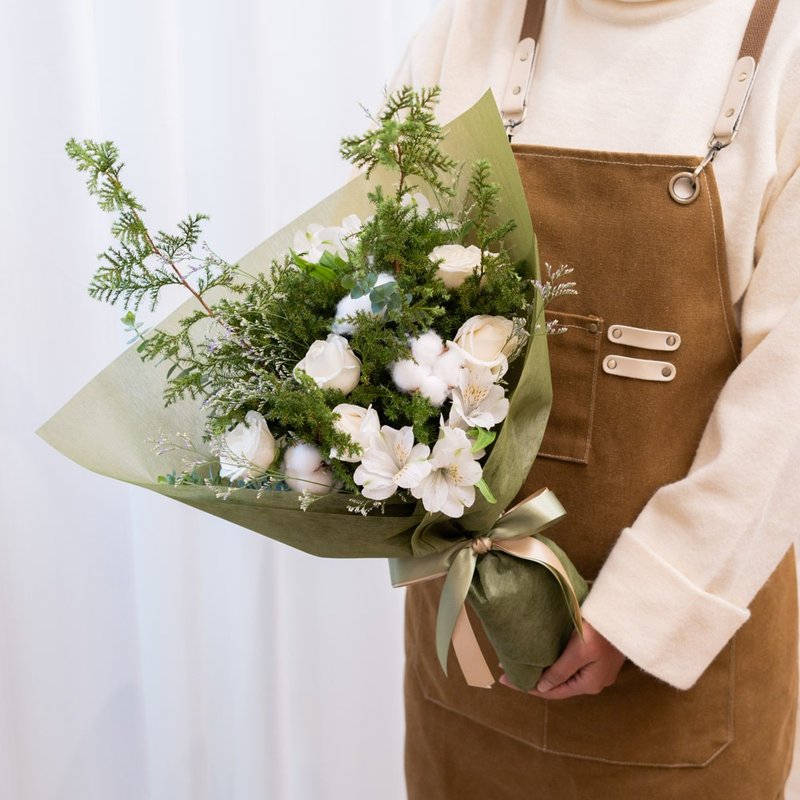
(405, 137)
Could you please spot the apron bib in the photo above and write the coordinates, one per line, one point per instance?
(650, 341)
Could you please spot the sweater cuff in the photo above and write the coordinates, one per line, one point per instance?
(656, 617)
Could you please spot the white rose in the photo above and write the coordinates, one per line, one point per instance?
(249, 448)
(359, 424)
(487, 341)
(457, 263)
(332, 364)
(304, 470)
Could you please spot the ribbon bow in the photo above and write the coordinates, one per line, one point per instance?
(513, 533)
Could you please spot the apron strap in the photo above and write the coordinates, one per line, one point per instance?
(684, 187)
(515, 100)
(758, 28)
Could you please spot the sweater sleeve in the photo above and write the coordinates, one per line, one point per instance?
(678, 582)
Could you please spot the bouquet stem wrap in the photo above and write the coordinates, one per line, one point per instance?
(516, 533)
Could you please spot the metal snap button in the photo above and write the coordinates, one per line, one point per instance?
(611, 364)
(671, 340)
(666, 372)
(516, 90)
(592, 327)
(616, 333)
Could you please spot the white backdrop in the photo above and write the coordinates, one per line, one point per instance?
(147, 650)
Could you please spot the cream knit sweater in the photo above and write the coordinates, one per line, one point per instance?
(649, 76)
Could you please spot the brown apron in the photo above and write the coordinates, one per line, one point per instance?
(654, 304)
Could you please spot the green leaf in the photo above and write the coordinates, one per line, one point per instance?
(484, 489)
(483, 438)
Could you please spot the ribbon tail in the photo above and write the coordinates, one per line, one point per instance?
(468, 652)
(451, 603)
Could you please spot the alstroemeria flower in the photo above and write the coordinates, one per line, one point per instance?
(450, 486)
(478, 402)
(390, 461)
(318, 239)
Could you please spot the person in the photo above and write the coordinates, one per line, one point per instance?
(675, 435)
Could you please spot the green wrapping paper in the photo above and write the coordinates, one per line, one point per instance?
(108, 427)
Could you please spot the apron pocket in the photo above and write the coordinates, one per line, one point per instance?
(642, 721)
(574, 363)
(638, 721)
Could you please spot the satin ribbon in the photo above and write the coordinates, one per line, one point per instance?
(513, 534)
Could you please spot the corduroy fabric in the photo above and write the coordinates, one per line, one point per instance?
(641, 260)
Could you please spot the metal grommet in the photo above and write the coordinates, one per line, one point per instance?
(616, 333)
(684, 188)
(671, 341)
(666, 372)
(516, 90)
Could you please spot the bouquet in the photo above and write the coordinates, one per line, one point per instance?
(372, 381)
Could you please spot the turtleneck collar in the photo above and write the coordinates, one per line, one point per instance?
(639, 11)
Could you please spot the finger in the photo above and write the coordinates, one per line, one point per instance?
(569, 662)
(585, 681)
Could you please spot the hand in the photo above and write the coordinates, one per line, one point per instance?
(585, 667)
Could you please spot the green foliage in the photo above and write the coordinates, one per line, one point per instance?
(141, 264)
(404, 137)
(239, 353)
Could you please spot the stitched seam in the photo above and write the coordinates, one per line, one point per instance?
(558, 457)
(528, 743)
(595, 369)
(602, 160)
(719, 274)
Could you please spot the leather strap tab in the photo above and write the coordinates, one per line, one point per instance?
(642, 369)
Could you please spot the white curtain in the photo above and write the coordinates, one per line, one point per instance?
(148, 651)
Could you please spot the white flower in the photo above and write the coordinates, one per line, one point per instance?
(487, 341)
(317, 239)
(349, 307)
(477, 400)
(249, 449)
(304, 470)
(391, 460)
(332, 364)
(359, 424)
(450, 486)
(457, 262)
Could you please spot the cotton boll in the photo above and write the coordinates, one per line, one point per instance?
(435, 389)
(448, 367)
(318, 482)
(348, 307)
(408, 375)
(302, 459)
(427, 348)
